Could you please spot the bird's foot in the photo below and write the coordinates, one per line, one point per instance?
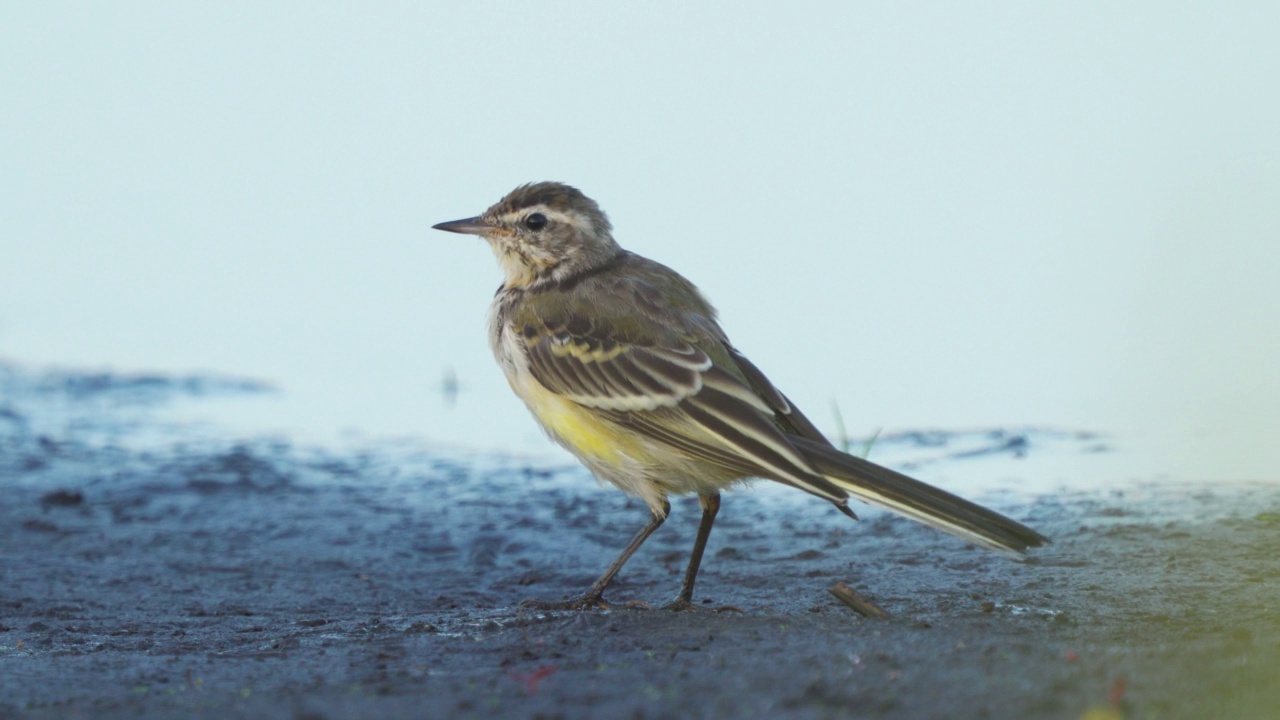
(685, 605)
(584, 602)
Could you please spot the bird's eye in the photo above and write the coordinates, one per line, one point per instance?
(536, 221)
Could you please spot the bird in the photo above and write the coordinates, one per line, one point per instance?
(623, 362)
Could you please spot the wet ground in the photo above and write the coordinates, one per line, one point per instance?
(196, 576)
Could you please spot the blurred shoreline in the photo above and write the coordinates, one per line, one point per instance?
(161, 570)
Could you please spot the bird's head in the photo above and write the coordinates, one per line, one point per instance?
(543, 232)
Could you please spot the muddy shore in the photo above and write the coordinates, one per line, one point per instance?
(216, 577)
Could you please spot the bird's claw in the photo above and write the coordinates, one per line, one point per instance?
(585, 602)
(683, 605)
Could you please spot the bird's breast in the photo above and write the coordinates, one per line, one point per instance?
(575, 427)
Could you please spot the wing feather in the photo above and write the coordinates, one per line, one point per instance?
(783, 409)
(675, 394)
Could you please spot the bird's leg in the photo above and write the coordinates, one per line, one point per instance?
(710, 506)
(594, 597)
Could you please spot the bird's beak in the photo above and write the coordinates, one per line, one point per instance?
(467, 226)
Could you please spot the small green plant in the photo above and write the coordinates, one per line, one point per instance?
(842, 435)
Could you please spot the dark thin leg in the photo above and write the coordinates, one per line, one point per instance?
(710, 506)
(594, 597)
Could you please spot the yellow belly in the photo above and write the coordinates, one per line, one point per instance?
(574, 427)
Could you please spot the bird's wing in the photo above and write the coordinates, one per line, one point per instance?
(784, 411)
(676, 385)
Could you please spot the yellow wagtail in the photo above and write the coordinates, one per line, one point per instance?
(621, 361)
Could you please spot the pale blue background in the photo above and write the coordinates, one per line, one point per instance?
(936, 214)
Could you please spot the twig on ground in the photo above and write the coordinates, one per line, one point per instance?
(859, 603)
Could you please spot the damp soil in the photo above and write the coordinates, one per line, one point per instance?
(209, 577)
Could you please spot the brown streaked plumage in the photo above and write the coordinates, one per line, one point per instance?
(621, 360)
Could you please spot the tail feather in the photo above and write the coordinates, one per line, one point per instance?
(924, 503)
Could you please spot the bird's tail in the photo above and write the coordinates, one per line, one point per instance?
(924, 503)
